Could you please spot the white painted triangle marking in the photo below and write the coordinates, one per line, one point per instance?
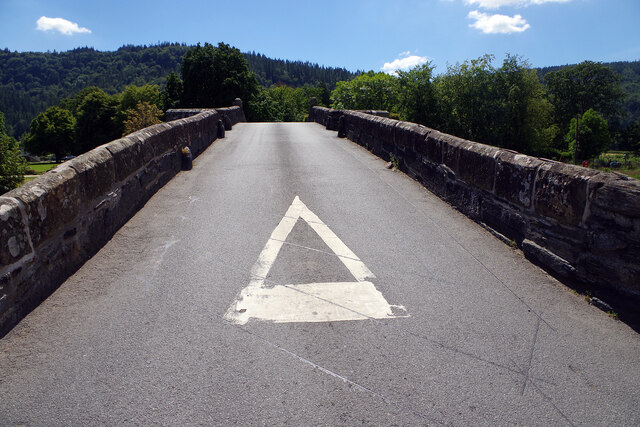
(310, 302)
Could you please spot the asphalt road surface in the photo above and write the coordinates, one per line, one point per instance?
(291, 279)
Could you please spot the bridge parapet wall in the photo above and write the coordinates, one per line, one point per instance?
(235, 113)
(581, 225)
(50, 226)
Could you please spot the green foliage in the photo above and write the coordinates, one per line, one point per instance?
(526, 122)
(171, 96)
(284, 103)
(30, 82)
(593, 136)
(134, 95)
(368, 91)
(417, 101)
(52, 132)
(215, 76)
(144, 115)
(295, 73)
(96, 122)
(468, 99)
(575, 89)
(12, 164)
(632, 136)
(503, 106)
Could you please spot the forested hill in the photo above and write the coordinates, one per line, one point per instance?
(30, 82)
(294, 73)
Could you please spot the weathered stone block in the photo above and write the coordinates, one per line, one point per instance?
(548, 260)
(504, 219)
(132, 198)
(476, 165)
(561, 191)
(607, 241)
(515, 177)
(605, 218)
(383, 128)
(146, 147)
(451, 147)
(408, 160)
(148, 176)
(615, 193)
(332, 119)
(96, 173)
(14, 240)
(613, 269)
(433, 176)
(565, 240)
(466, 199)
(51, 201)
(409, 135)
(127, 157)
(228, 124)
(431, 147)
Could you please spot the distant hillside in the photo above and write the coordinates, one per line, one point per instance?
(294, 73)
(630, 74)
(30, 82)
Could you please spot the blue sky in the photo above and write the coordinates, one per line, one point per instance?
(355, 34)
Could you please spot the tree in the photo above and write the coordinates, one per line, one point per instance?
(282, 103)
(215, 76)
(416, 96)
(368, 91)
(72, 103)
(95, 123)
(525, 113)
(131, 97)
(12, 164)
(632, 135)
(593, 135)
(505, 106)
(577, 88)
(171, 96)
(134, 95)
(144, 115)
(468, 100)
(52, 132)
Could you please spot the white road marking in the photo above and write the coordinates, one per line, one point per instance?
(310, 302)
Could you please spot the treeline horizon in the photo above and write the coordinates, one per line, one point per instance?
(31, 82)
(569, 113)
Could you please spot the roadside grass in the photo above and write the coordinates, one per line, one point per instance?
(626, 162)
(34, 169)
(40, 167)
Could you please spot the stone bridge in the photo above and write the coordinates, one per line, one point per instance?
(385, 273)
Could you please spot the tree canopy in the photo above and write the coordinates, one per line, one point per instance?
(578, 88)
(215, 76)
(12, 164)
(368, 91)
(52, 132)
(592, 133)
(30, 82)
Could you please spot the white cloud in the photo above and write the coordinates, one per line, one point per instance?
(405, 63)
(498, 24)
(495, 4)
(61, 25)
(407, 53)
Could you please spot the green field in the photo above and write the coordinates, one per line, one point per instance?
(40, 168)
